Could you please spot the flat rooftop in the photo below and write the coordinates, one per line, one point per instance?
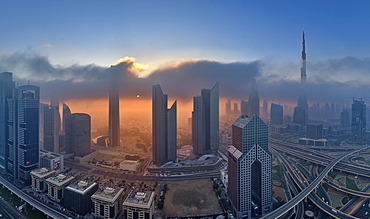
(60, 179)
(141, 199)
(82, 186)
(50, 155)
(42, 172)
(109, 194)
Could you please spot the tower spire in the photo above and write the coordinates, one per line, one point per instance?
(303, 61)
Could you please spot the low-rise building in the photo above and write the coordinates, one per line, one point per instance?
(56, 185)
(139, 205)
(77, 196)
(38, 178)
(107, 202)
(130, 165)
(52, 160)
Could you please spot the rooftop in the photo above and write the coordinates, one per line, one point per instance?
(48, 154)
(109, 194)
(82, 186)
(60, 179)
(142, 199)
(42, 172)
(242, 121)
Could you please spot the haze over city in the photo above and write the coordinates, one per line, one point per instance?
(184, 109)
(65, 47)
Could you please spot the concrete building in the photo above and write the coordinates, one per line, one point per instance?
(114, 120)
(77, 196)
(314, 131)
(52, 160)
(358, 119)
(7, 89)
(249, 168)
(205, 130)
(130, 165)
(164, 128)
(51, 128)
(139, 205)
(107, 202)
(78, 134)
(38, 179)
(56, 186)
(23, 141)
(276, 114)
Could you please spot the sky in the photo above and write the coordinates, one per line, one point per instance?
(67, 47)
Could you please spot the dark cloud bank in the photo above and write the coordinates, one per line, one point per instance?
(332, 80)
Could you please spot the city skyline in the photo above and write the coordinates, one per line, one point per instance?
(246, 42)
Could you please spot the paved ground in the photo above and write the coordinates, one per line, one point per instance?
(190, 198)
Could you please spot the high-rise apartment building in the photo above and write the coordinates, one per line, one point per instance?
(164, 128)
(276, 114)
(51, 128)
(358, 119)
(23, 124)
(249, 168)
(7, 89)
(254, 100)
(205, 130)
(114, 119)
(78, 134)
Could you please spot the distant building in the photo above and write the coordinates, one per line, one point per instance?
(56, 186)
(249, 168)
(358, 119)
(51, 160)
(228, 107)
(66, 112)
(139, 204)
(205, 131)
(51, 128)
(244, 107)
(7, 89)
(77, 196)
(314, 130)
(78, 134)
(107, 202)
(344, 119)
(236, 109)
(299, 116)
(114, 121)
(164, 127)
(276, 114)
(254, 100)
(38, 179)
(23, 124)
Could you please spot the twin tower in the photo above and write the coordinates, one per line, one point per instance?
(205, 124)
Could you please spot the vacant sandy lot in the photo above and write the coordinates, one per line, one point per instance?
(190, 198)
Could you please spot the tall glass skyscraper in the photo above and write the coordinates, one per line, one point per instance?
(164, 128)
(23, 123)
(114, 119)
(358, 119)
(276, 114)
(7, 87)
(78, 134)
(249, 168)
(51, 128)
(205, 121)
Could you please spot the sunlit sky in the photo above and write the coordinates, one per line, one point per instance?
(156, 32)
(68, 38)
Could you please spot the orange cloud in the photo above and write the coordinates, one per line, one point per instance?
(132, 66)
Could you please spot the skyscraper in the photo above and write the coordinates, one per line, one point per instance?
(51, 128)
(66, 112)
(228, 107)
(254, 100)
(249, 168)
(344, 119)
(205, 116)
(23, 123)
(164, 128)
(299, 116)
(276, 114)
(244, 107)
(114, 120)
(78, 134)
(7, 87)
(314, 131)
(302, 100)
(358, 119)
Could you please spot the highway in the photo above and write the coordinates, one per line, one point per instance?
(305, 192)
(33, 202)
